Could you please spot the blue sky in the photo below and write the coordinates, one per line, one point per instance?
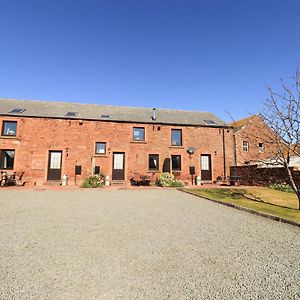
(201, 55)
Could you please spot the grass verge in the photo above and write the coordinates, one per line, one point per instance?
(261, 201)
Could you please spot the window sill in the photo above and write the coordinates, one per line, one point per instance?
(153, 171)
(138, 142)
(10, 137)
(100, 155)
(176, 147)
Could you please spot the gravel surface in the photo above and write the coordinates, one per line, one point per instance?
(141, 244)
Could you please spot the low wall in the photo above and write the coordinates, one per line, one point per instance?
(252, 175)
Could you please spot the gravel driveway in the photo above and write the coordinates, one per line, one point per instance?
(141, 244)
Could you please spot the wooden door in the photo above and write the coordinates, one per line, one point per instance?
(206, 167)
(54, 165)
(118, 172)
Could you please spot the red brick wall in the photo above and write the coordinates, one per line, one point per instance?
(251, 175)
(255, 132)
(36, 136)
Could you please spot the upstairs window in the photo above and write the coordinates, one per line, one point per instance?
(138, 133)
(7, 158)
(176, 137)
(9, 128)
(261, 147)
(176, 162)
(153, 162)
(245, 146)
(100, 148)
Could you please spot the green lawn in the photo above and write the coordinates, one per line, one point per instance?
(281, 204)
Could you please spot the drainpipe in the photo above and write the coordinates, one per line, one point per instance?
(234, 150)
(224, 153)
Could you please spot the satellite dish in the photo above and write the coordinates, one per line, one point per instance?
(191, 150)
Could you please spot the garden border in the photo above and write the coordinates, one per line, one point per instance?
(249, 210)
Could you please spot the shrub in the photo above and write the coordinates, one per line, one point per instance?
(283, 187)
(168, 180)
(94, 181)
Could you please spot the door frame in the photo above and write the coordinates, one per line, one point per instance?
(113, 160)
(49, 161)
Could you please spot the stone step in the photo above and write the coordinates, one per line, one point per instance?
(52, 183)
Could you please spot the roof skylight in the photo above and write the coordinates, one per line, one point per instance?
(210, 122)
(71, 114)
(104, 116)
(17, 110)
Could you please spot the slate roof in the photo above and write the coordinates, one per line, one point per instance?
(238, 124)
(47, 109)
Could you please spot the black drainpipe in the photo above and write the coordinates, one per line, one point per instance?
(234, 150)
(224, 153)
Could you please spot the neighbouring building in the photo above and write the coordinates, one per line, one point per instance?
(254, 141)
(48, 139)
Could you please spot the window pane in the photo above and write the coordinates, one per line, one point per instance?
(9, 128)
(7, 158)
(153, 162)
(118, 161)
(138, 134)
(245, 146)
(176, 162)
(261, 146)
(204, 163)
(100, 148)
(55, 160)
(176, 137)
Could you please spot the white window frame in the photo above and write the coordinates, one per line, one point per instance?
(245, 146)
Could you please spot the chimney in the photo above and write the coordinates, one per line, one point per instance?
(154, 114)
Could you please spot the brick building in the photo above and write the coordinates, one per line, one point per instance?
(49, 139)
(254, 141)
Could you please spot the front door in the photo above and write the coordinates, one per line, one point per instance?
(54, 165)
(118, 172)
(205, 167)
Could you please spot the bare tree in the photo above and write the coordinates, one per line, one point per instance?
(282, 114)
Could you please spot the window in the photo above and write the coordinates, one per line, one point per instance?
(138, 133)
(176, 162)
(210, 122)
(71, 114)
(153, 162)
(100, 148)
(9, 128)
(245, 146)
(261, 147)
(7, 158)
(176, 138)
(17, 110)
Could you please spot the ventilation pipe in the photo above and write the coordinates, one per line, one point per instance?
(154, 114)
